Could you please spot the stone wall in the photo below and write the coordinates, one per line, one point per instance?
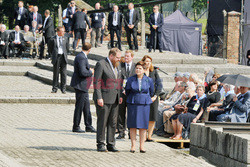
(219, 148)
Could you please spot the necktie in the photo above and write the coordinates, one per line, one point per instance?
(60, 42)
(34, 16)
(16, 36)
(20, 11)
(127, 70)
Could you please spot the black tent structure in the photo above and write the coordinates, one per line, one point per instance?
(180, 34)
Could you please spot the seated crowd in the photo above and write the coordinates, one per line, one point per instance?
(193, 100)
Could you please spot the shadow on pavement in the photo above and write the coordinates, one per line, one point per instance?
(55, 148)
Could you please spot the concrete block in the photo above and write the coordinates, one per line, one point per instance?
(212, 140)
(204, 137)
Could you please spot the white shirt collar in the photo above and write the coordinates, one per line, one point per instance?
(130, 64)
(85, 54)
(131, 10)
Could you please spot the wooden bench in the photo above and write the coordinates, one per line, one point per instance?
(160, 139)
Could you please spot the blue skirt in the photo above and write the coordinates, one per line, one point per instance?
(138, 116)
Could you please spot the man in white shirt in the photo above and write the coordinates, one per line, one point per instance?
(115, 26)
(57, 47)
(16, 40)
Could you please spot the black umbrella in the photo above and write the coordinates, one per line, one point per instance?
(237, 80)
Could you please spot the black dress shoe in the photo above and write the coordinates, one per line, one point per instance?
(112, 149)
(53, 91)
(149, 50)
(142, 151)
(63, 91)
(120, 137)
(132, 151)
(149, 140)
(161, 51)
(101, 149)
(78, 130)
(90, 129)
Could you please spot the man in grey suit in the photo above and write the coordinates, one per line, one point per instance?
(58, 46)
(79, 21)
(240, 110)
(127, 70)
(107, 89)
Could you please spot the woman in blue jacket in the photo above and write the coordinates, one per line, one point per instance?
(139, 90)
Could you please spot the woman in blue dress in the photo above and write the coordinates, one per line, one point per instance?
(139, 90)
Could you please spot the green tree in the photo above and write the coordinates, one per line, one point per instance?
(198, 6)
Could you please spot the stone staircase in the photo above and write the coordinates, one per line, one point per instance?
(168, 62)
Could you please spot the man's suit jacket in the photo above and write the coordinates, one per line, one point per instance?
(12, 37)
(53, 49)
(39, 19)
(160, 21)
(48, 29)
(68, 14)
(79, 21)
(123, 70)
(81, 78)
(24, 15)
(136, 96)
(136, 19)
(119, 21)
(4, 37)
(241, 110)
(106, 86)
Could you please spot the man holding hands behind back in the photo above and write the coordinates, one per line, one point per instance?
(81, 81)
(107, 89)
(155, 21)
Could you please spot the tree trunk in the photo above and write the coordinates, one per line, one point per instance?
(176, 5)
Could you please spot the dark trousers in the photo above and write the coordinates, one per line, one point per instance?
(59, 66)
(106, 117)
(79, 34)
(4, 51)
(19, 46)
(155, 34)
(113, 30)
(42, 46)
(102, 34)
(66, 26)
(121, 121)
(82, 106)
(132, 32)
(214, 113)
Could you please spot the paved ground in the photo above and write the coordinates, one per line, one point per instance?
(39, 135)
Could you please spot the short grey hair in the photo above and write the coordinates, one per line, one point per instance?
(4, 26)
(26, 26)
(200, 86)
(231, 87)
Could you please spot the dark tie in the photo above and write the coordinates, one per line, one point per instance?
(127, 70)
(60, 42)
(115, 16)
(20, 11)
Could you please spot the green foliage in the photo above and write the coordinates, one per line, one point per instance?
(198, 5)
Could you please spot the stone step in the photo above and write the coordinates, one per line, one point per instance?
(226, 125)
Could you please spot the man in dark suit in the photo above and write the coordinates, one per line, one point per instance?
(115, 26)
(35, 16)
(69, 14)
(16, 39)
(21, 15)
(58, 49)
(155, 22)
(47, 30)
(3, 41)
(127, 70)
(131, 20)
(81, 81)
(79, 26)
(107, 89)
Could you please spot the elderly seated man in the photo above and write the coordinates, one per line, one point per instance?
(37, 35)
(16, 39)
(28, 39)
(216, 109)
(3, 42)
(240, 110)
